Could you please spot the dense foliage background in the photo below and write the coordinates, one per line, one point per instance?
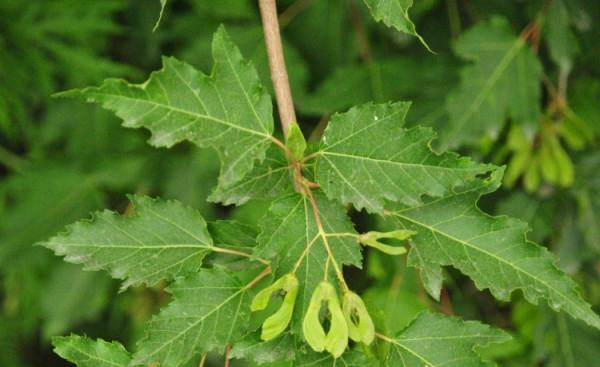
(62, 159)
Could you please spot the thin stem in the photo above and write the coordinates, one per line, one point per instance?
(266, 271)
(203, 360)
(239, 253)
(385, 338)
(227, 351)
(282, 146)
(323, 235)
(279, 76)
(311, 156)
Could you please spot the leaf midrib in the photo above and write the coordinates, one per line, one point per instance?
(185, 112)
(381, 161)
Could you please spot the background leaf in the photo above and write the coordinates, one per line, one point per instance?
(502, 82)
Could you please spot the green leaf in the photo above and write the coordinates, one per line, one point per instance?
(561, 41)
(366, 157)
(210, 309)
(394, 13)
(43, 200)
(232, 233)
(587, 194)
(386, 79)
(162, 240)
(272, 178)
(229, 110)
(493, 251)
(291, 238)
(348, 359)
(290, 351)
(564, 342)
(85, 352)
(502, 81)
(282, 348)
(434, 340)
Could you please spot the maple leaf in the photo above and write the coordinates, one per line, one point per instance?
(493, 251)
(367, 157)
(272, 178)
(162, 240)
(85, 352)
(435, 340)
(210, 309)
(228, 110)
(290, 351)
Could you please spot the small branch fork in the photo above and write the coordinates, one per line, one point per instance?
(283, 94)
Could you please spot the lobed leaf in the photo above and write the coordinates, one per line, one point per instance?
(209, 310)
(366, 158)
(228, 110)
(434, 340)
(272, 178)
(282, 348)
(164, 239)
(493, 251)
(85, 352)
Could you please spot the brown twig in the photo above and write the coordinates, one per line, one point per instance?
(279, 76)
(227, 351)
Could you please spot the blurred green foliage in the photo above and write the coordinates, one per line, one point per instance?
(61, 159)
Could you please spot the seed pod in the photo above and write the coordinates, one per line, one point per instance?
(371, 239)
(548, 166)
(531, 179)
(517, 166)
(314, 334)
(277, 322)
(336, 339)
(360, 325)
(565, 165)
